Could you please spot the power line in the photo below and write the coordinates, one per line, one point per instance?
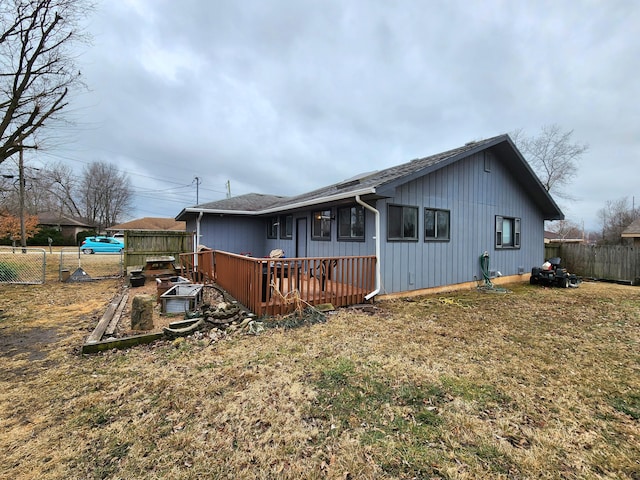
(164, 180)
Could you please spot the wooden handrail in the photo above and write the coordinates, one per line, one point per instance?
(274, 286)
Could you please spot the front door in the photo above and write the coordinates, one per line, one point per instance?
(301, 237)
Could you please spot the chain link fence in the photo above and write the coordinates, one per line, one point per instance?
(77, 266)
(22, 265)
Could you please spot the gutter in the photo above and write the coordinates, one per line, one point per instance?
(282, 208)
(197, 242)
(377, 237)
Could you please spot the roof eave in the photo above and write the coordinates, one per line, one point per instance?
(320, 200)
(280, 208)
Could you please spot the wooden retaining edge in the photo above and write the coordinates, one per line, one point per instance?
(111, 328)
(110, 319)
(121, 342)
(98, 332)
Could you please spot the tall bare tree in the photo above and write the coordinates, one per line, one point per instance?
(37, 67)
(106, 194)
(62, 184)
(553, 156)
(615, 216)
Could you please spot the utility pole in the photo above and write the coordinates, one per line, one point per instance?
(228, 185)
(197, 180)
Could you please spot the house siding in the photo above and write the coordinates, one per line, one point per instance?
(231, 234)
(324, 248)
(474, 198)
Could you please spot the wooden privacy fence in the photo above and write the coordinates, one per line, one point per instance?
(604, 262)
(277, 286)
(142, 244)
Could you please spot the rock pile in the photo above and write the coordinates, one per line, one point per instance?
(219, 320)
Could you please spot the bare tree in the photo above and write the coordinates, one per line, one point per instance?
(33, 191)
(553, 157)
(615, 216)
(36, 67)
(106, 194)
(566, 229)
(63, 187)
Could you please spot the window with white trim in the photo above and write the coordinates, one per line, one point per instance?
(507, 232)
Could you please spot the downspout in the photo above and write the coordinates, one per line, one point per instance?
(197, 242)
(377, 237)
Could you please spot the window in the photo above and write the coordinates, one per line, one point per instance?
(402, 223)
(436, 224)
(321, 229)
(286, 226)
(507, 232)
(272, 227)
(351, 223)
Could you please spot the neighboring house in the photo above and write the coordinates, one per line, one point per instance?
(67, 225)
(428, 221)
(148, 223)
(633, 232)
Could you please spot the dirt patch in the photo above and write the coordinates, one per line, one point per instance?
(34, 343)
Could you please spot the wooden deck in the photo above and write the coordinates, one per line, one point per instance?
(279, 286)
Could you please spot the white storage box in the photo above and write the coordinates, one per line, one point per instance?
(182, 298)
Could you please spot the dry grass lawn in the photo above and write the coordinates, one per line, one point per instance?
(537, 383)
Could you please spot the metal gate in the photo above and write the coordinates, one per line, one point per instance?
(76, 266)
(22, 265)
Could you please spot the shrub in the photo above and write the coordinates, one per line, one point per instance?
(42, 237)
(8, 273)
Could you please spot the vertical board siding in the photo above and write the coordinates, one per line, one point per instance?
(473, 197)
(234, 234)
(248, 235)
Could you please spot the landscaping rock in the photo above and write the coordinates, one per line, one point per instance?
(142, 312)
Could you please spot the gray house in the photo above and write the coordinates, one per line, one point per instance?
(427, 221)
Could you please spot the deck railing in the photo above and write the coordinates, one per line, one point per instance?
(269, 286)
(198, 267)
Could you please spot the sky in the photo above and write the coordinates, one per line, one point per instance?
(191, 98)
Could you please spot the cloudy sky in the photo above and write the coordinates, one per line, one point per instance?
(284, 96)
